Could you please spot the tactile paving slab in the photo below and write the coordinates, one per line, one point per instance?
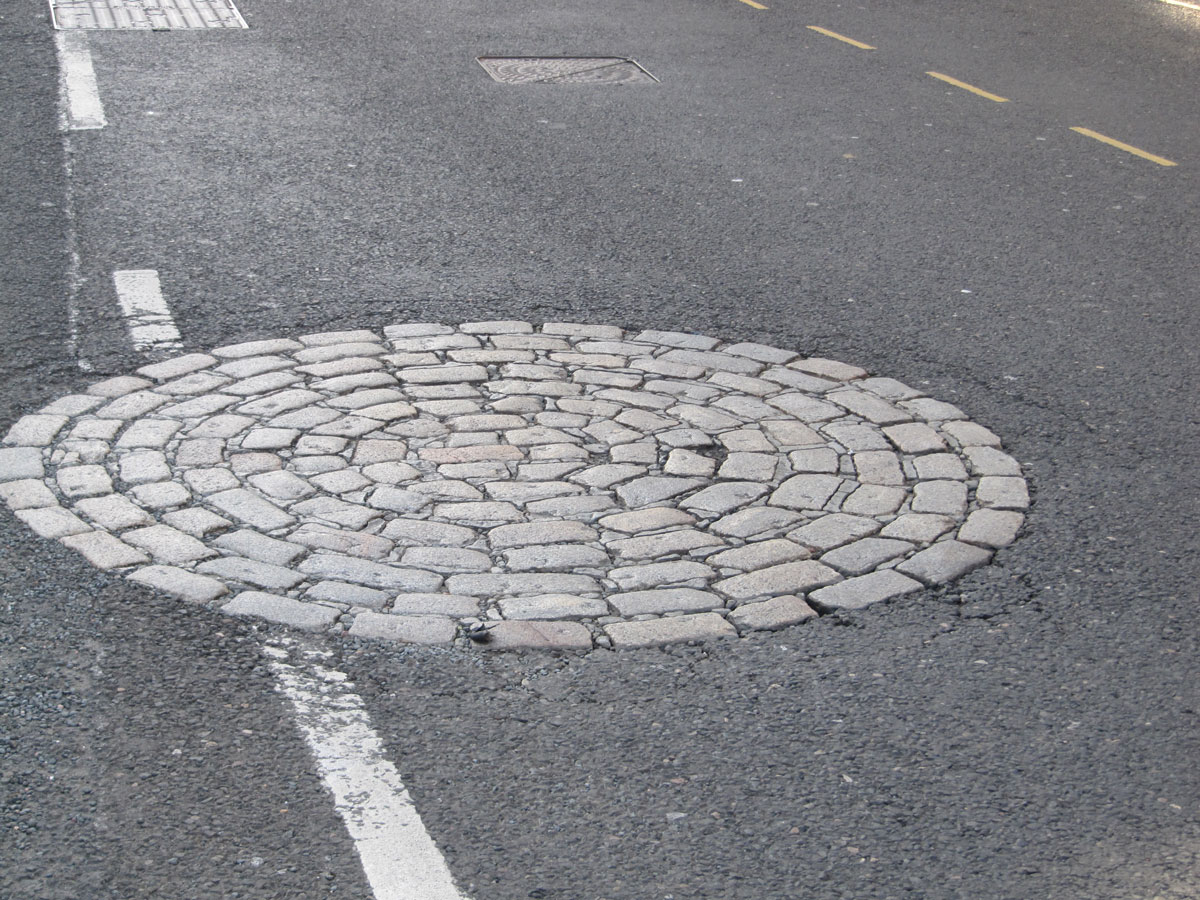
(562, 485)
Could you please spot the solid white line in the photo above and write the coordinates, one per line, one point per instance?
(146, 314)
(79, 95)
(399, 857)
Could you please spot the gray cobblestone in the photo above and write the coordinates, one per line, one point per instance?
(582, 330)
(828, 368)
(991, 527)
(1002, 492)
(946, 498)
(756, 522)
(424, 533)
(246, 464)
(518, 583)
(29, 493)
(180, 583)
(369, 574)
(990, 461)
(253, 365)
(112, 388)
(21, 462)
(332, 352)
(456, 605)
(720, 499)
(636, 603)
(253, 545)
(644, 520)
(806, 491)
(874, 500)
(347, 543)
(52, 521)
(856, 593)
(336, 512)
(878, 467)
(944, 561)
(654, 488)
(405, 629)
(71, 405)
(133, 405)
(771, 615)
(670, 630)
(35, 430)
(282, 610)
(446, 560)
(168, 545)
(251, 572)
(221, 427)
(482, 513)
(252, 508)
(655, 546)
(786, 578)
(104, 551)
(915, 437)
(554, 558)
(652, 575)
(257, 348)
(919, 527)
(143, 467)
(864, 555)
(209, 481)
(759, 555)
(553, 607)
(348, 594)
(936, 466)
(282, 485)
(84, 481)
(969, 434)
(195, 521)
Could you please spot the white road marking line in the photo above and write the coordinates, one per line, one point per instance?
(79, 96)
(147, 315)
(399, 857)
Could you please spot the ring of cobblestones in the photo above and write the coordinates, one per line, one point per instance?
(558, 486)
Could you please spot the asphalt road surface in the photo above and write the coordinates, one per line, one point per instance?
(1028, 731)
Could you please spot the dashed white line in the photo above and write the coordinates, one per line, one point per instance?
(398, 856)
(79, 95)
(147, 316)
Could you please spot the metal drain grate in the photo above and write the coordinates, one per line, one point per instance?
(565, 70)
(145, 15)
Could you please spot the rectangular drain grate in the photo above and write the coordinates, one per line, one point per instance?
(565, 70)
(145, 15)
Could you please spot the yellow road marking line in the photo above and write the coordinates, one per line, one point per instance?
(968, 87)
(1183, 4)
(1087, 132)
(752, 3)
(841, 37)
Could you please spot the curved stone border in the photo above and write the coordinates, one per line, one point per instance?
(558, 486)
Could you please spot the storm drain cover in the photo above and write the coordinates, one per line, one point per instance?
(560, 486)
(150, 15)
(565, 70)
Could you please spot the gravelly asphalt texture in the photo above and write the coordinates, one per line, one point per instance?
(1030, 731)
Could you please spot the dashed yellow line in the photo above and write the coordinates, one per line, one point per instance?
(841, 37)
(1128, 148)
(755, 5)
(968, 87)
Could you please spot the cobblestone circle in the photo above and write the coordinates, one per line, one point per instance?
(558, 486)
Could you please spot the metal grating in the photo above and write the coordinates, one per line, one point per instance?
(145, 15)
(565, 70)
